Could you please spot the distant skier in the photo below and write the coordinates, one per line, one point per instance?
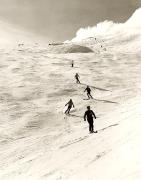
(89, 115)
(88, 92)
(77, 78)
(20, 45)
(70, 105)
(72, 63)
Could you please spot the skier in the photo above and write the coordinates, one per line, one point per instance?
(72, 63)
(89, 114)
(77, 78)
(88, 92)
(70, 105)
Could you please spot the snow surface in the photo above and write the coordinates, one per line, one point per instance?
(37, 141)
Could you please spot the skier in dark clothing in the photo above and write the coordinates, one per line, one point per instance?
(72, 63)
(88, 92)
(77, 78)
(70, 105)
(89, 114)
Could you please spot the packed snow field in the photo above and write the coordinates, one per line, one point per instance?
(38, 141)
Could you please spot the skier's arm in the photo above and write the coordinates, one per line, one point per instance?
(85, 89)
(73, 104)
(67, 104)
(85, 116)
(94, 115)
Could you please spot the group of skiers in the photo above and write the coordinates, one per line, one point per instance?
(88, 90)
(89, 114)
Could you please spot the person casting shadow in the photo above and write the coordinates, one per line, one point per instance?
(88, 92)
(70, 105)
(89, 114)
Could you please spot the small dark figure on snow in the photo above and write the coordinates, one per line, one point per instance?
(88, 92)
(89, 115)
(70, 105)
(72, 64)
(77, 78)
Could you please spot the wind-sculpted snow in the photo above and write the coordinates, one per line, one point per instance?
(109, 28)
(134, 20)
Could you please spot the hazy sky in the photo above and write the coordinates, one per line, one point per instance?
(60, 19)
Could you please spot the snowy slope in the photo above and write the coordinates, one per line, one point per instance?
(37, 141)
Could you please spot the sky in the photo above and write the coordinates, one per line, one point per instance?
(58, 20)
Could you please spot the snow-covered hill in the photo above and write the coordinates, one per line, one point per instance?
(122, 37)
(108, 29)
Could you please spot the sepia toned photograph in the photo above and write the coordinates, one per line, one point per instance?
(70, 89)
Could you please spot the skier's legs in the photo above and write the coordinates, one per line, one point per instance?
(66, 111)
(89, 127)
(69, 108)
(91, 96)
(78, 81)
(90, 121)
(88, 95)
(92, 127)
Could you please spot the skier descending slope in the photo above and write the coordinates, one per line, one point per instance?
(70, 105)
(72, 63)
(89, 114)
(88, 92)
(77, 78)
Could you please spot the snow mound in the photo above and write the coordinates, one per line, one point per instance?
(69, 48)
